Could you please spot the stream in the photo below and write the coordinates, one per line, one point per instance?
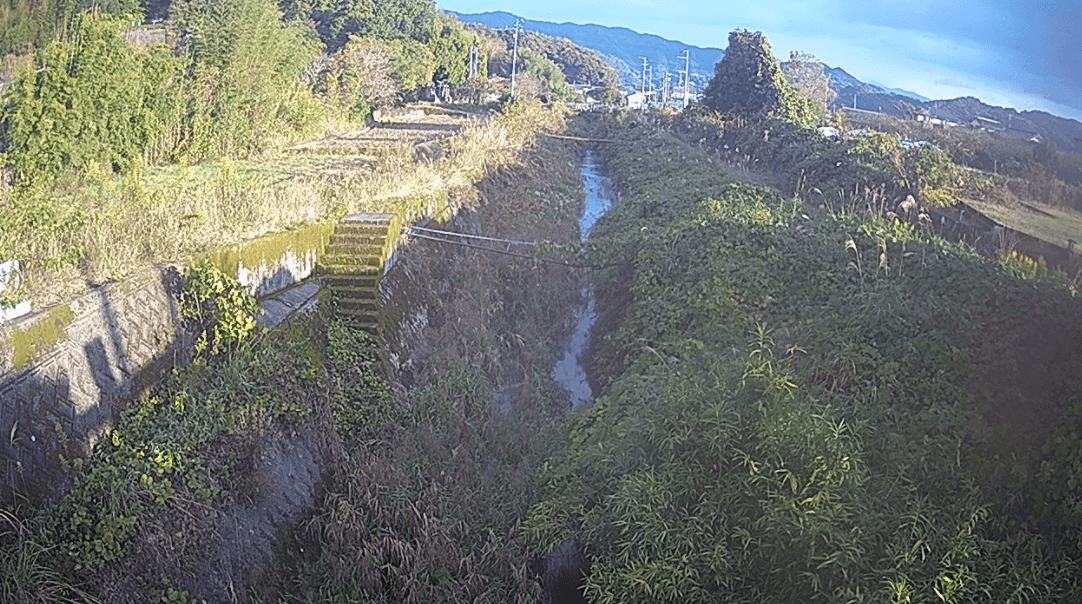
(570, 371)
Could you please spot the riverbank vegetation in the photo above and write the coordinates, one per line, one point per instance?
(815, 406)
(804, 396)
(285, 467)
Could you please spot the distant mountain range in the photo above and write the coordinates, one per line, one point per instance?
(1065, 133)
(624, 49)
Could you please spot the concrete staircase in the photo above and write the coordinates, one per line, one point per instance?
(353, 265)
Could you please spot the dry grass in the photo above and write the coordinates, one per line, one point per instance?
(1054, 225)
(174, 213)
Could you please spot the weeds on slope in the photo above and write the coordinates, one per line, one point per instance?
(173, 454)
(427, 501)
(95, 227)
(816, 408)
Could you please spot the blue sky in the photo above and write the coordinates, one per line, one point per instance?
(1025, 54)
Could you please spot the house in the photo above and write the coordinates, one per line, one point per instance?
(927, 120)
(829, 132)
(1020, 128)
(985, 123)
(636, 100)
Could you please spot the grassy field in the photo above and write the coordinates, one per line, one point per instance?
(1054, 225)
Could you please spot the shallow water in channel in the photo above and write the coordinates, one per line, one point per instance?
(570, 371)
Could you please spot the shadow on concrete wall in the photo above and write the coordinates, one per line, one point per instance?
(966, 224)
(54, 411)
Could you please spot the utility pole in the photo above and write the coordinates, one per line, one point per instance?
(650, 82)
(665, 88)
(643, 88)
(514, 57)
(687, 77)
(473, 62)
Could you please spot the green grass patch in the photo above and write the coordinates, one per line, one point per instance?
(815, 408)
(35, 340)
(96, 226)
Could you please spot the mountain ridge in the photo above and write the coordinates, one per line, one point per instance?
(623, 48)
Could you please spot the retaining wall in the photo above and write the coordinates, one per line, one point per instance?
(66, 371)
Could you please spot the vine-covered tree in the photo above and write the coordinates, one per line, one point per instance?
(748, 82)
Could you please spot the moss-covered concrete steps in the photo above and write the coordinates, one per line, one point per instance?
(353, 264)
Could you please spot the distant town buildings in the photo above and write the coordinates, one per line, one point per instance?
(636, 100)
(930, 121)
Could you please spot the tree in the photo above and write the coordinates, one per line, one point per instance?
(398, 19)
(748, 82)
(86, 103)
(808, 75)
(368, 73)
(26, 25)
(335, 21)
(245, 67)
(1046, 154)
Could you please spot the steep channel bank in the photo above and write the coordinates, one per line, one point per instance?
(437, 483)
(449, 303)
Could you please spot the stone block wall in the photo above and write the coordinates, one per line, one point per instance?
(65, 371)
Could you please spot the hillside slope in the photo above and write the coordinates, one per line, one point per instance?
(622, 47)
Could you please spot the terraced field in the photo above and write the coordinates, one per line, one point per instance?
(1054, 225)
(421, 130)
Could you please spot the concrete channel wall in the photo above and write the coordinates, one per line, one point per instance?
(65, 371)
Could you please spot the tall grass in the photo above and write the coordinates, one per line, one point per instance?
(128, 223)
(26, 572)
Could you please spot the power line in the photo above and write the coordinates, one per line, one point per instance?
(438, 232)
(502, 252)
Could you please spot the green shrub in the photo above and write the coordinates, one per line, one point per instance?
(801, 414)
(224, 311)
(94, 101)
(245, 66)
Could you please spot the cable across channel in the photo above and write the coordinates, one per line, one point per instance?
(464, 240)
